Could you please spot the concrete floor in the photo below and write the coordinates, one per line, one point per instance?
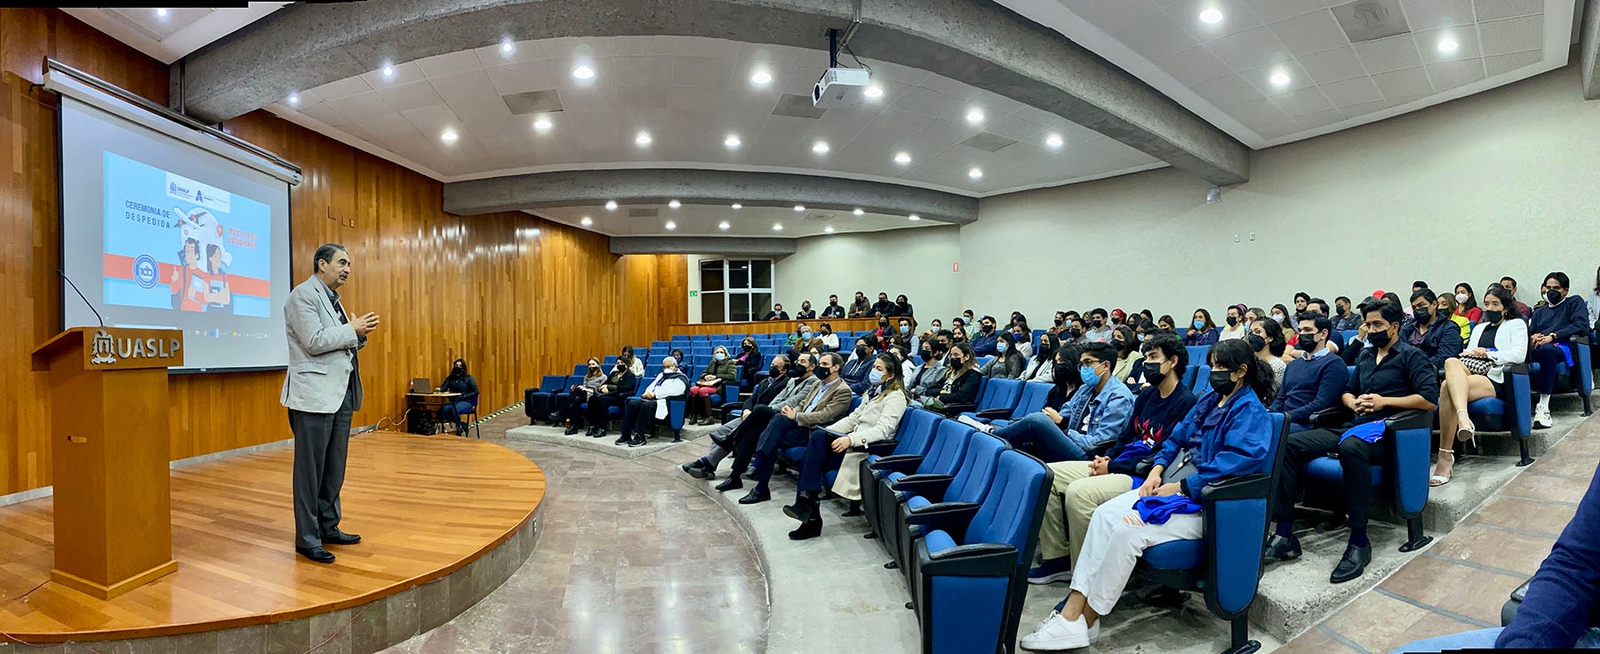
(694, 571)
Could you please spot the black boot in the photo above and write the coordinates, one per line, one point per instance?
(809, 529)
(572, 429)
(804, 507)
(854, 510)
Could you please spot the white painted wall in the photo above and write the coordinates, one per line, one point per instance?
(1503, 182)
(916, 262)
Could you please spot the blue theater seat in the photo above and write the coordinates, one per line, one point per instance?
(949, 446)
(971, 569)
(1034, 396)
(609, 361)
(539, 402)
(912, 440)
(1511, 411)
(1407, 439)
(915, 493)
(1190, 373)
(1202, 379)
(581, 368)
(998, 399)
(1225, 565)
(1198, 354)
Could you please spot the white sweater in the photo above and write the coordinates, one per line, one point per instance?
(1510, 346)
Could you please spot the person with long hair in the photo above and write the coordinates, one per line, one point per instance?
(1267, 341)
(614, 392)
(1498, 342)
(636, 364)
(1554, 323)
(1227, 434)
(1238, 324)
(1009, 361)
(1166, 324)
(461, 382)
(749, 362)
(714, 379)
(960, 386)
(1467, 302)
(1450, 309)
(1125, 341)
(1064, 375)
(578, 394)
(1041, 365)
(1201, 330)
(841, 446)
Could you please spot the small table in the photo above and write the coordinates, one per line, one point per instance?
(422, 411)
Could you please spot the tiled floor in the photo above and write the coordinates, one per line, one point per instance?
(1462, 580)
(629, 560)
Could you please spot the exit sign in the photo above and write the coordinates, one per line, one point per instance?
(694, 293)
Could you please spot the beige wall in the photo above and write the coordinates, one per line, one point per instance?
(1504, 182)
(916, 262)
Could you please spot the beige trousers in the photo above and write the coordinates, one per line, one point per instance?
(1073, 498)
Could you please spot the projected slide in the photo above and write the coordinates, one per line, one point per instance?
(175, 243)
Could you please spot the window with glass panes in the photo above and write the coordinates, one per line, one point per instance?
(735, 290)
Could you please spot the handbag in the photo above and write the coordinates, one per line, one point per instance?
(1476, 365)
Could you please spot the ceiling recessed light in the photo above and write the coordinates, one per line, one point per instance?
(507, 48)
(913, 217)
(671, 225)
(975, 116)
(583, 72)
(674, 204)
(902, 158)
(449, 136)
(760, 78)
(388, 71)
(799, 207)
(294, 98)
(820, 147)
(1054, 140)
(1279, 78)
(858, 211)
(736, 205)
(1211, 15)
(541, 124)
(975, 173)
(1448, 45)
(828, 229)
(723, 225)
(777, 227)
(587, 221)
(732, 141)
(162, 12)
(611, 205)
(642, 139)
(873, 91)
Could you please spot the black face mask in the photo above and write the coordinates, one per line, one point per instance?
(1308, 343)
(927, 353)
(748, 347)
(774, 372)
(798, 371)
(988, 328)
(594, 368)
(1255, 342)
(1059, 322)
(1343, 310)
(1423, 315)
(883, 323)
(1378, 340)
(1233, 321)
(862, 352)
(1493, 316)
(1222, 381)
(1098, 323)
(1075, 332)
(1153, 373)
(1066, 373)
(823, 373)
(1552, 296)
(1118, 344)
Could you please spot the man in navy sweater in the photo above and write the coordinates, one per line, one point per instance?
(1556, 611)
(1553, 326)
(1316, 380)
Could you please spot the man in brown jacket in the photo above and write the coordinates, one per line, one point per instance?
(827, 403)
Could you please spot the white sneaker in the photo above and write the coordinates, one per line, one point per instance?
(1541, 419)
(1094, 632)
(1057, 634)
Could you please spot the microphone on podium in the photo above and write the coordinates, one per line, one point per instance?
(86, 302)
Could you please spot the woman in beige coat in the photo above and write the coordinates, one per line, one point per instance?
(840, 444)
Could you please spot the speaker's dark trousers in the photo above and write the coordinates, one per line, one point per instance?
(321, 444)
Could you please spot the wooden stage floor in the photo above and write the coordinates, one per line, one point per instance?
(424, 507)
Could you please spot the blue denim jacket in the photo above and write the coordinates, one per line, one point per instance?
(1109, 411)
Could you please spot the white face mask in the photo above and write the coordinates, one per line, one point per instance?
(1461, 298)
(1277, 318)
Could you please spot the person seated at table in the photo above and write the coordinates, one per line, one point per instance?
(840, 446)
(616, 390)
(805, 311)
(1227, 434)
(466, 388)
(640, 414)
(577, 394)
(833, 310)
(777, 313)
(716, 377)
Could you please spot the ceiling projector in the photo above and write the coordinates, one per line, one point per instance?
(840, 87)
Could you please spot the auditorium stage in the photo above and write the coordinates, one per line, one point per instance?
(443, 520)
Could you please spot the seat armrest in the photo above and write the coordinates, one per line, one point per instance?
(1332, 416)
(898, 463)
(1409, 419)
(958, 409)
(977, 560)
(883, 448)
(1244, 487)
(926, 485)
(943, 515)
(994, 414)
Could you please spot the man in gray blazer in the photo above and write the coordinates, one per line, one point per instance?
(321, 389)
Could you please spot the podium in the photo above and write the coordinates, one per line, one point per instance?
(109, 433)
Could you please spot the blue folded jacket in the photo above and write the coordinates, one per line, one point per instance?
(1134, 451)
(1367, 431)
(1157, 510)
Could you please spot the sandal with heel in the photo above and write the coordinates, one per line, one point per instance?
(1435, 481)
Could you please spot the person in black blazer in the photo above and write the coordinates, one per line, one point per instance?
(619, 386)
(833, 310)
(883, 308)
(777, 313)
